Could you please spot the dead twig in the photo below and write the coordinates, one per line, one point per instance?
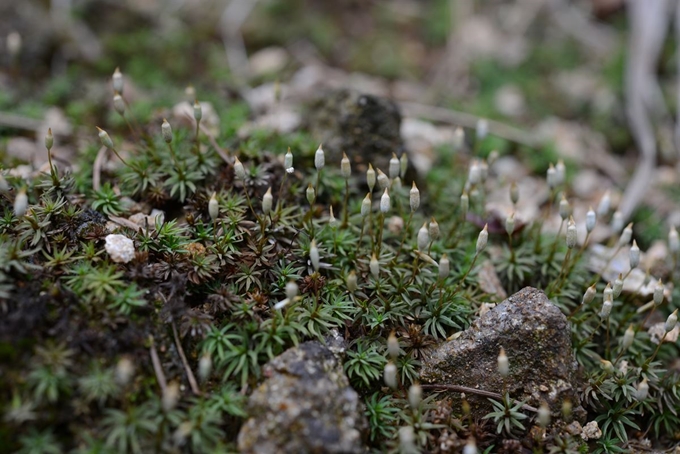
(648, 24)
(19, 122)
(157, 368)
(480, 392)
(190, 374)
(440, 114)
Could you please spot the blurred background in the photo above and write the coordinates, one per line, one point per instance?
(592, 82)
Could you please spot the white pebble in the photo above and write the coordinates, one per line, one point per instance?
(120, 248)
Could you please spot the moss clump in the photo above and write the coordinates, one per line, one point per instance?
(159, 354)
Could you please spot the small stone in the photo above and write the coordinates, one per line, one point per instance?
(121, 249)
(591, 431)
(574, 428)
(536, 337)
(305, 405)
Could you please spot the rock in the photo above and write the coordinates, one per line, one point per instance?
(537, 340)
(591, 431)
(120, 248)
(269, 60)
(304, 406)
(365, 126)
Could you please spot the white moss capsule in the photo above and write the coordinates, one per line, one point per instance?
(49, 139)
(607, 366)
(634, 255)
(510, 223)
(618, 286)
(374, 266)
(390, 375)
(503, 363)
(433, 229)
(482, 128)
(565, 209)
(119, 104)
(190, 93)
(291, 290)
(213, 207)
(606, 309)
(470, 447)
(166, 131)
(671, 321)
(482, 239)
(319, 158)
(288, 162)
(403, 165)
(171, 395)
(423, 238)
(608, 293)
(394, 167)
(105, 139)
(514, 193)
(543, 417)
(198, 111)
(20, 203)
(658, 292)
(464, 204)
(393, 348)
(345, 166)
(204, 367)
(385, 202)
(314, 255)
(267, 202)
(474, 173)
(4, 186)
(117, 81)
(673, 240)
(366, 205)
(628, 338)
(125, 370)
(551, 177)
(642, 390)
(444, 267)
(383, 180)
(407, 440)
(571, 233)
(310, 193)
(626, 235)
(332, 221)
(589, 294)
(370, 178)
(239, 170)
(415, 396)
(605, 204)
(591, 220)
(352, 282)
(560, 172)
(414, 197)
(13, 42)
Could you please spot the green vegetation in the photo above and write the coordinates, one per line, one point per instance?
(106, 352)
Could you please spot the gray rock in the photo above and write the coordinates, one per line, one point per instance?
(537, 340)
(365, 126)
(304, 406)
